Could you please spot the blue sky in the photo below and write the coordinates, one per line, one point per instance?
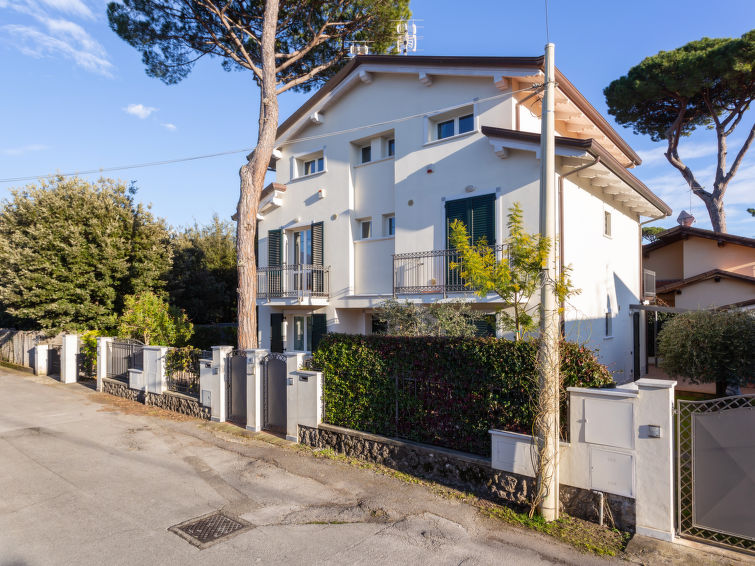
(76, 97)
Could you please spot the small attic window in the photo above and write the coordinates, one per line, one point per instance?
(310, 164)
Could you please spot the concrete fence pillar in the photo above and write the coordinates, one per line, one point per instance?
(215, 383)
(40, 359)
(294, 361)
(102, 343)
(254, 377)
(68, 357)
(153, 368)
(655, 458)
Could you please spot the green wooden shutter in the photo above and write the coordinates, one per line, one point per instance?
(485, 326)
(274, 259)
(319, 329)
(455, 210)
(274, 247)
(482, 213)
(318, 283)
(276, 332)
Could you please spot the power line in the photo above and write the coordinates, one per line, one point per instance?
(247, 150)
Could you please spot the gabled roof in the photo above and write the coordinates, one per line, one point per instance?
(402, 61)
(685, 232)
(593, 148)
(712, 274)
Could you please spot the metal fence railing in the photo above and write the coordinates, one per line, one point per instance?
(182, 369)
(281, 281)
(429, 272)
(123, 355)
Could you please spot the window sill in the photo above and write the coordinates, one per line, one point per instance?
(379, 239)
(311, 175)
(607, 337)
(374, 161)
(450, 138)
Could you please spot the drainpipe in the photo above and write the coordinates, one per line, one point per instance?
(562, 322)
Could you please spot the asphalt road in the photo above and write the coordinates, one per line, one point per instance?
(85, 482)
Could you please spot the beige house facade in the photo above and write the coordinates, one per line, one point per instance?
(700, 269)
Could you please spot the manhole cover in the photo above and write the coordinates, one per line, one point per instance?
(210, 529)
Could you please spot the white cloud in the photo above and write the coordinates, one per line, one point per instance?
(169, 126)
(56, 37)
(24, 149)
(139, 110)
(686, 152)
(73, 7)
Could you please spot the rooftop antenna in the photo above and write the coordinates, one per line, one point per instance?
(359, 48)
(406, 36)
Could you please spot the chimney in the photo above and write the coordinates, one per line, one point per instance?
(685, 218)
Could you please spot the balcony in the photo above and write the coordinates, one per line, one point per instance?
(294, 283)
(429, 272)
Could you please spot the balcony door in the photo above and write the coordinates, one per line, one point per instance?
(302, 252)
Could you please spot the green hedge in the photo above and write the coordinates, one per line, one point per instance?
(443, 391)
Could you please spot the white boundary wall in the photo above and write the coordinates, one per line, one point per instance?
(621, 443)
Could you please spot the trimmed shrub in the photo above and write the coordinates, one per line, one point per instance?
(443, 391)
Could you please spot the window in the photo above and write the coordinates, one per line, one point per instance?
(445, 129)
(308, 331)
(391, 148)
(365, 228)
(607, 224)
(466, 123)
(366, 154)
(609, 318)
(303, 333)
(389, 225)
(310, 164)
(453, 123)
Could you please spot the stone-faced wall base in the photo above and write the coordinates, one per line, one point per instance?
(463, 471)
(169, 400)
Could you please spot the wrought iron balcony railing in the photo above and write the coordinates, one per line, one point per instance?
(429, 272)
(293, 281)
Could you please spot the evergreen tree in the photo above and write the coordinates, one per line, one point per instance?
(203, 278)
(70, 251)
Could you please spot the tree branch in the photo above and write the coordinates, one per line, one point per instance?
(738, 159)
(304, 78)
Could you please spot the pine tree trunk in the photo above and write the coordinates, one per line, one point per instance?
(252, 176)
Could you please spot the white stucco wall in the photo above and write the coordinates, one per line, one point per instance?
(709, 293)
(606, 270)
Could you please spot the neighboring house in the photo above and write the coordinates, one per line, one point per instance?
(371, 169)
(699, 269)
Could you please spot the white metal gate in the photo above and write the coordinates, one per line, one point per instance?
(716, 471)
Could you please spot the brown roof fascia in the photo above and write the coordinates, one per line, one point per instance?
(702, 277)
(596, 150)
(684, 232)
(434, 61)
(584, 105)
(272, 187)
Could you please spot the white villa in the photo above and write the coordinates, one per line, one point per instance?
(372, 167)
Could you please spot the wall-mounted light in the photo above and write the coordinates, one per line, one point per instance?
(321, 193)
(470, 188)
(430, 168)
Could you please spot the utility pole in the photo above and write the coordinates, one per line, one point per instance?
(548, 356)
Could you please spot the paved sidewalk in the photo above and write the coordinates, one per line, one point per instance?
(84, 482)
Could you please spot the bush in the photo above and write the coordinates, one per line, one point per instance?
(443, 391)
(708, 346)
(152, 320)
(89, 351)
